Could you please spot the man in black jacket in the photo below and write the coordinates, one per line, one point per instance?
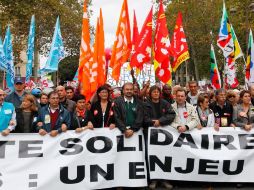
(223, 110)
(129, 112)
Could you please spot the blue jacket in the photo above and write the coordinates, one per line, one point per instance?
(64, 117)
(6, 112)
(15, 99)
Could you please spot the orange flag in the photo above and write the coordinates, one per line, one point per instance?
(94, 63)
(162, 49)
(122, 45)
(101, 53)
(179, 44)
(85, 56)
(143, 45)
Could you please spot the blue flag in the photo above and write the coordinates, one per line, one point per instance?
(3, 65)
(30, 50)
(56, 51)
(9, 59)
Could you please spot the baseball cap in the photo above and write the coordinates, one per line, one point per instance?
(18, 80)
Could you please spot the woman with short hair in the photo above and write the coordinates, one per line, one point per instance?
(102, 110)
(243, 114)
(206, 115)
(82, 118)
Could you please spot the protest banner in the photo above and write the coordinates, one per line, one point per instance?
(201, 155)
(94, 159)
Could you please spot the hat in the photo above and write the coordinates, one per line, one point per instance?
(18, 80)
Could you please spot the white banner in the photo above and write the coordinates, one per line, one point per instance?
(96, 159)
(201, 155)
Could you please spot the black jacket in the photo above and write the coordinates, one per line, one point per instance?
(225, 112)
(120, 114)
(166, 110)
(20, 121)
(98, 116)
(78, 122)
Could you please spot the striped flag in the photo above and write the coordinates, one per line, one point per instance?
(224, 39)
(214, 72)
(249, 68)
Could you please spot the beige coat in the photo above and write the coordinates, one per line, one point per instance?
(192, 118)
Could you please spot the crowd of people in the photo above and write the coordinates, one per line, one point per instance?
(129, 109)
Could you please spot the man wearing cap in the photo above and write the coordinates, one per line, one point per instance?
(7, 115)
(16, 97)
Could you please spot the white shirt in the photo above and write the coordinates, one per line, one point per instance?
(127, 100)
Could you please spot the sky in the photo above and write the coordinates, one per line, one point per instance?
(111, 11)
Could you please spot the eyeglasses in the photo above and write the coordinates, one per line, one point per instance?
(231, 96)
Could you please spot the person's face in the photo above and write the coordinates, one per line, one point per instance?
(128, 90)
(54, 100)
(231, 98)
(26, 103)
(104, 94)
(81, 104)
(19, 86)
(88, 106)
(155, 94)
(221, 97)
(205, 103)
(193, 88)
(44, 99)
(2, 95)
(136, 90)
(246, 98)
(61, 92)
(167, 89)
(180, 97)
(69, 94)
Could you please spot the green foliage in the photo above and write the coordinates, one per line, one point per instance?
(68, 67)
(18, 15)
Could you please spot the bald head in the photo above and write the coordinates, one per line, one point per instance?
(61, 93)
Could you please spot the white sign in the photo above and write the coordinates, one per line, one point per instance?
(201, 155)
(97, 159)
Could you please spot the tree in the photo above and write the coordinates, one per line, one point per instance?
(68, 67)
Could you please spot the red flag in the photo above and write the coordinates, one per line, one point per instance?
(179, 44)
(143, 45)
(122, 45)
(162, 48)
(135, 32)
